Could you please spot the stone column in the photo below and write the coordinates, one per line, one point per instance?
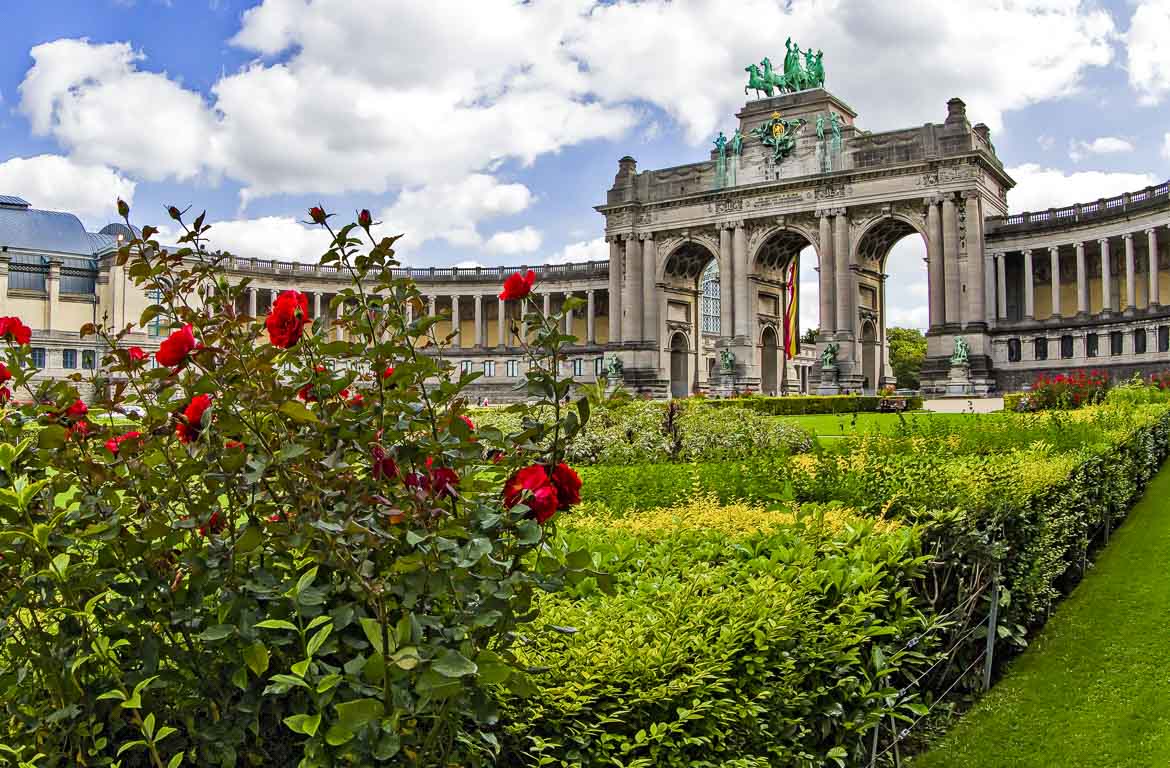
(568, 324)
(409, 310)
(615, 290)
(340, 335)
(252, 301)
(546, 303)
(316, 304)
(1152, 298)
(1054, 267)
(1106, 277)
(726, 284)
(950, 227)
(272, 294)
(455, 322)
(53, 289)
(632, 292)
(989, 284)
(501, 339)
(825, 273)
(430, 305)
(976, 278)
(649, 302)
(479, 320)
(1130, 274)
(1001, 284)
(1082, 281)
(1029, 287)
(5, 260)
(844, 275)
(590, 336)
(934, 264)
(744, 313)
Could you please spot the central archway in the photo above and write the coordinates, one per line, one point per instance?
(775, 284)
(693, 305)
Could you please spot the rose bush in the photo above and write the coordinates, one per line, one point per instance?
(245, 576)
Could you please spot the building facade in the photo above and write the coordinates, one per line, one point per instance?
(702, 262)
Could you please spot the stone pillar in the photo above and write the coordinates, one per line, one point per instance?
(409, 310)
(568, 324)
(1130, 274)
(1001, 284)
(1054, 267)
(1152, 298)
(615, 290)
(1082, 281)
(976, 276)
(430, 305)
(590, 336)
(632, 292)
(934, 264)
(726, 284)
(1029, 287)
(1106, 278)
(5, 260)
(478, 320)
(988, 285)
(950, 227)
(501, 339)
(546, 305)
(455, 322)
(252, 301)
(317, 304)
(340, 335)
(649, 302)
(744, 314)
(272, 294)
(53, 289)
(844, 277)
(825, 272)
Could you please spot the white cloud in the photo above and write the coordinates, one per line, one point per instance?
(58, 183)
(1103, 145)
(266, 237)
(1148, 54)
(1038, 188)
(1046, 142)
(523, 240)
(1166, 145)
(915, 316)
(451, 212)
(585, 250)
(95, 102)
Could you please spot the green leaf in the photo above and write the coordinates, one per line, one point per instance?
(249, 539)
(217, 632)
(51, 437)
(373, 632)
(277, 624)
(297, 411)
(301, 667)
(289, 680)
(453, 664)
(176, 761)
(352, 715)
(318, 640)
(328, 682)
(306, 724)
(256, 657)
(338, 735)
(61, 565)
(305, 581)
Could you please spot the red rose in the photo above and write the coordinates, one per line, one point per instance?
(136, 354)
(175, 348)
(470, 424)
(383, 465)
(444, 481)
(234, 445)
(192, 425)
(5, 374)
(13, 329)
(214, 524)
(532, 486)
(317, 214)
(80, 430)
(114, 443)
(388, 372)
(5, 395)
(365, 220)
(306, 393)
(568, 485)
(518, 286)
(288, 318)
(77, 410)
(174, 212)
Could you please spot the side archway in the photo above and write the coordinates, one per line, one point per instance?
(692, 299)
(679, 368)
(769, 364)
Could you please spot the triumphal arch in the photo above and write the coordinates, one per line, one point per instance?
(703, 257)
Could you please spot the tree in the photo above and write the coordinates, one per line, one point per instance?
(907, 351)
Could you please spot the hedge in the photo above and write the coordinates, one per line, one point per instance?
(803, 405)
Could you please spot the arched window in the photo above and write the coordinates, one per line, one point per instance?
(709, 298)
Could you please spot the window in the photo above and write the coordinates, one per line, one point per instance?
(1139, 341)
(1014, 348)
(598, 366)
(1090, 345)
(709, 305)
(88, 359)
(69, 358)
(489, 367)
(154, 327)
(466, 366)
(1041, 345)
(1115, 342)
(1066, 346)
(1164, 338)
(578, 366)
(38, 356)
(512, 368)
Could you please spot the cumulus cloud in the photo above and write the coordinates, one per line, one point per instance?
(585, 250)
(1103, 145)
(58, 183)
(266, 237)
(1147, 52)
(451, 212)
(523, 240)
(1038, 187)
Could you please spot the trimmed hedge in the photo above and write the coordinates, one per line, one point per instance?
(803, 405)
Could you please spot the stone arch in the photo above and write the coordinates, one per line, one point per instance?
(871, 357)
(770, 361)
(773, 243)
(878, 235)
(680, 377)
(681, 258)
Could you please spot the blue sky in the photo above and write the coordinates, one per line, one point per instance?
(488, 130)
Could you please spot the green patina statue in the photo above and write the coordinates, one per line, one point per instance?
(757, 82)
(779, 134)
(962, 354)
(835, 120)
(726, 361)
(802, 70)
(737, 143)
(614, 368)
(829, 355)
(720, 161)
(820, 127)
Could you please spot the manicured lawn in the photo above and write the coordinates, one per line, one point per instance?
(838, 424)
(1094, 688)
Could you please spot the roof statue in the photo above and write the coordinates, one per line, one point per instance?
(802, 70)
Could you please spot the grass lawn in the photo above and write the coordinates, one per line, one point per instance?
(839, 424)
(1094, 688)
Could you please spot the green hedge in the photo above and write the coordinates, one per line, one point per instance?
(801, 405)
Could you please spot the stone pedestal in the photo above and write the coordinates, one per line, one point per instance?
(959, 382)
(828, 384)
